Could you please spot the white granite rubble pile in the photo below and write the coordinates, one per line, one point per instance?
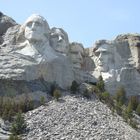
(76, 118)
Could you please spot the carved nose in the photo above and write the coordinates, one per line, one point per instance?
(33, 25)
(59, 38)
(80, 56)
(100, 56)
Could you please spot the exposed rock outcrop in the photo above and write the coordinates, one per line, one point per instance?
(32, 50)
(118, 62)
(5, 23)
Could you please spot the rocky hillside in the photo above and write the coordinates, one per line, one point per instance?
(35, 57)
(76, 118)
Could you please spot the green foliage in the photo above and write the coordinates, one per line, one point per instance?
(119, 104)
(127, 115)
(26, 103)
(118, 109)
(56, 94)
(120, 96)
(74, 87)
(138, 109)
(18, 126)
(42, 100)
(95, 89)
(87, 94)
(133, 124)
(129, 110)
(10, 106)
(105, 96)
(53, 87)
(14, 137)
(100, 84)
(134, 102)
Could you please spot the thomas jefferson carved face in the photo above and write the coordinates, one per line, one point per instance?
(35, 28)
(59, 40)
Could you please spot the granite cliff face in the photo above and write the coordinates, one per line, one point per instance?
(33, 50)
(33, 56)
(5, 23)
(118, 62)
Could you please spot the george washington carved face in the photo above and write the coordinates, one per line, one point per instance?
(35, 28)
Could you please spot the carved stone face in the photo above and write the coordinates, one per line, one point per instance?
(102, 56)
(59, 40)
(35, 28)
(76, 55)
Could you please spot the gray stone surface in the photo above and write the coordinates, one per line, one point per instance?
(5, 23)
(76, 54)
(118, 62)
(4, 129)
(33, 50)
(77, 118)
(26, 54)
(59, 40)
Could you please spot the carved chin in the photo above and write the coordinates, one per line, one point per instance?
(103, 69)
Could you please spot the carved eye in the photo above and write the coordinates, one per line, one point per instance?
(54, 36)
(37, 24)
(29, 24)
(105, 53)
(97, 53)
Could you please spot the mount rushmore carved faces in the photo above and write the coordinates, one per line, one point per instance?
(103, 57)
(59, 40)
(36, 28)
(76, 53)
(36, 39)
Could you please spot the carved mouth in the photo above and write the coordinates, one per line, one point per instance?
(100, 64)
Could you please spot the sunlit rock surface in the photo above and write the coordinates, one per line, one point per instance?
(26, 54)
(33, 50)
(118, 62)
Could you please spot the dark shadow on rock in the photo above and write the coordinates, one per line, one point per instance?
(61, 101)
(11, 88)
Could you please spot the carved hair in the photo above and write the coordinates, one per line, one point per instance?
(21, 38)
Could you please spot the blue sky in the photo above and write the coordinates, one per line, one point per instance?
(85, 21)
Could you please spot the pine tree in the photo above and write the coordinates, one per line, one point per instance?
(18, 125)
(42, 100)
(138, 109)
(57, 94)
(100, 84)
(134, 101)
(74, 87)
(120, 96)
